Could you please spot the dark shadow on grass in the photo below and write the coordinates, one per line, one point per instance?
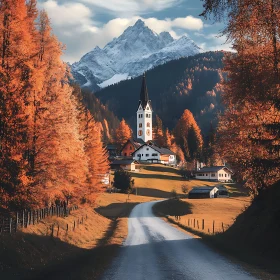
(157, 176)
(160, 168)
(153, 193)
(172, 207)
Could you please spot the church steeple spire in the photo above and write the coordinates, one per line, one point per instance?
(144, 96)
(144, 114)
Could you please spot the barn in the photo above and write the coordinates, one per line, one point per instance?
(208, 192)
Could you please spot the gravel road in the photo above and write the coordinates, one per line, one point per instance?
(155, 250)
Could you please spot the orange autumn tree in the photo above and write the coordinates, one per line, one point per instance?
(249, 128)
(123, 133)
(17, 50)
(158, 132)
(188, 136)
(43, 155)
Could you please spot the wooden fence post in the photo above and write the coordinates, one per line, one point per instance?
(194, 223)
(23, 219)
(28, 220)
(213, 227)
(74, 226)
(197, 224)
(202, 224)
(67, 227)
(52, 226)
(10, 225)
(16, 221)
(57, 230)
(223, 227)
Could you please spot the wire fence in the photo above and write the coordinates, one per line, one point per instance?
(10, 223)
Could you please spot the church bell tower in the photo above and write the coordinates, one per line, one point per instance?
(144, 114)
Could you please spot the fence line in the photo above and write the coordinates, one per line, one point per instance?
(200, 225)
(12, 222)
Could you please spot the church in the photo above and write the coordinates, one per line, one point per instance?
(144, 149)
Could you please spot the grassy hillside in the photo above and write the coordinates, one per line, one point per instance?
(81, 254)
(254, 236)
(188, 83)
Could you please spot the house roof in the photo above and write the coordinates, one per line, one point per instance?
(137, 143)
(162, 151)
(123, 161)
(213, 169)
(201, 190)
(144, 96)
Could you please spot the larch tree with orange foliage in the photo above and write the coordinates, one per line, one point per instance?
(188, 136)
(43, 154)
(249, 129)
(158, 132)
(16, 50)
(123, 133)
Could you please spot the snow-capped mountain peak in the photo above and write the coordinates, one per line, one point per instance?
(135, 51)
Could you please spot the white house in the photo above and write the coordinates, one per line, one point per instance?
(152, 153)
(214, 173)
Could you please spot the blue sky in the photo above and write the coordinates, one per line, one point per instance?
(84, 24)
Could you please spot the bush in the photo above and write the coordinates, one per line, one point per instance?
(184, 189)
(123, 181)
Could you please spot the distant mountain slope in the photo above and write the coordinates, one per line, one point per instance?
(187, 83)
(135, 51)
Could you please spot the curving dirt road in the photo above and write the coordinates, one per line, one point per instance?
(154, 250)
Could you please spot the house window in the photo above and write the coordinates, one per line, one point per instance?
(140, 124)
(147, 155)
(125, 154)
(147, 149)
(225, 175)
(147, 115)
(139, 155)
(142, 155)
(213, 175)
(206, 174)
(154, 155)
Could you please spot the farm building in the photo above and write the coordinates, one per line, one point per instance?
(208, 192)
(214, 173)
(125, 164)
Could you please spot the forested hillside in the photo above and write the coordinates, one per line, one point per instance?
(188, 83)
(101, 114)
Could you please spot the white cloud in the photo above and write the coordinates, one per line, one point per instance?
(132, 7)
(74, 25)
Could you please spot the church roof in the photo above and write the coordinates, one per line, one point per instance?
(144, 95)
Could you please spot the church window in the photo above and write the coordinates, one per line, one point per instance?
(147, 149)
(140, 124)
(147, 155)
(154, 155)
(148, 124)
(139, 155)
(148, 108)
(148, 115)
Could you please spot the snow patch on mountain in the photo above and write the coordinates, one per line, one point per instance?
(137, 50)
(115, 79)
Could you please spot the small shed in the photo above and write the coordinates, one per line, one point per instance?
(125, 164)
(200, 192)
